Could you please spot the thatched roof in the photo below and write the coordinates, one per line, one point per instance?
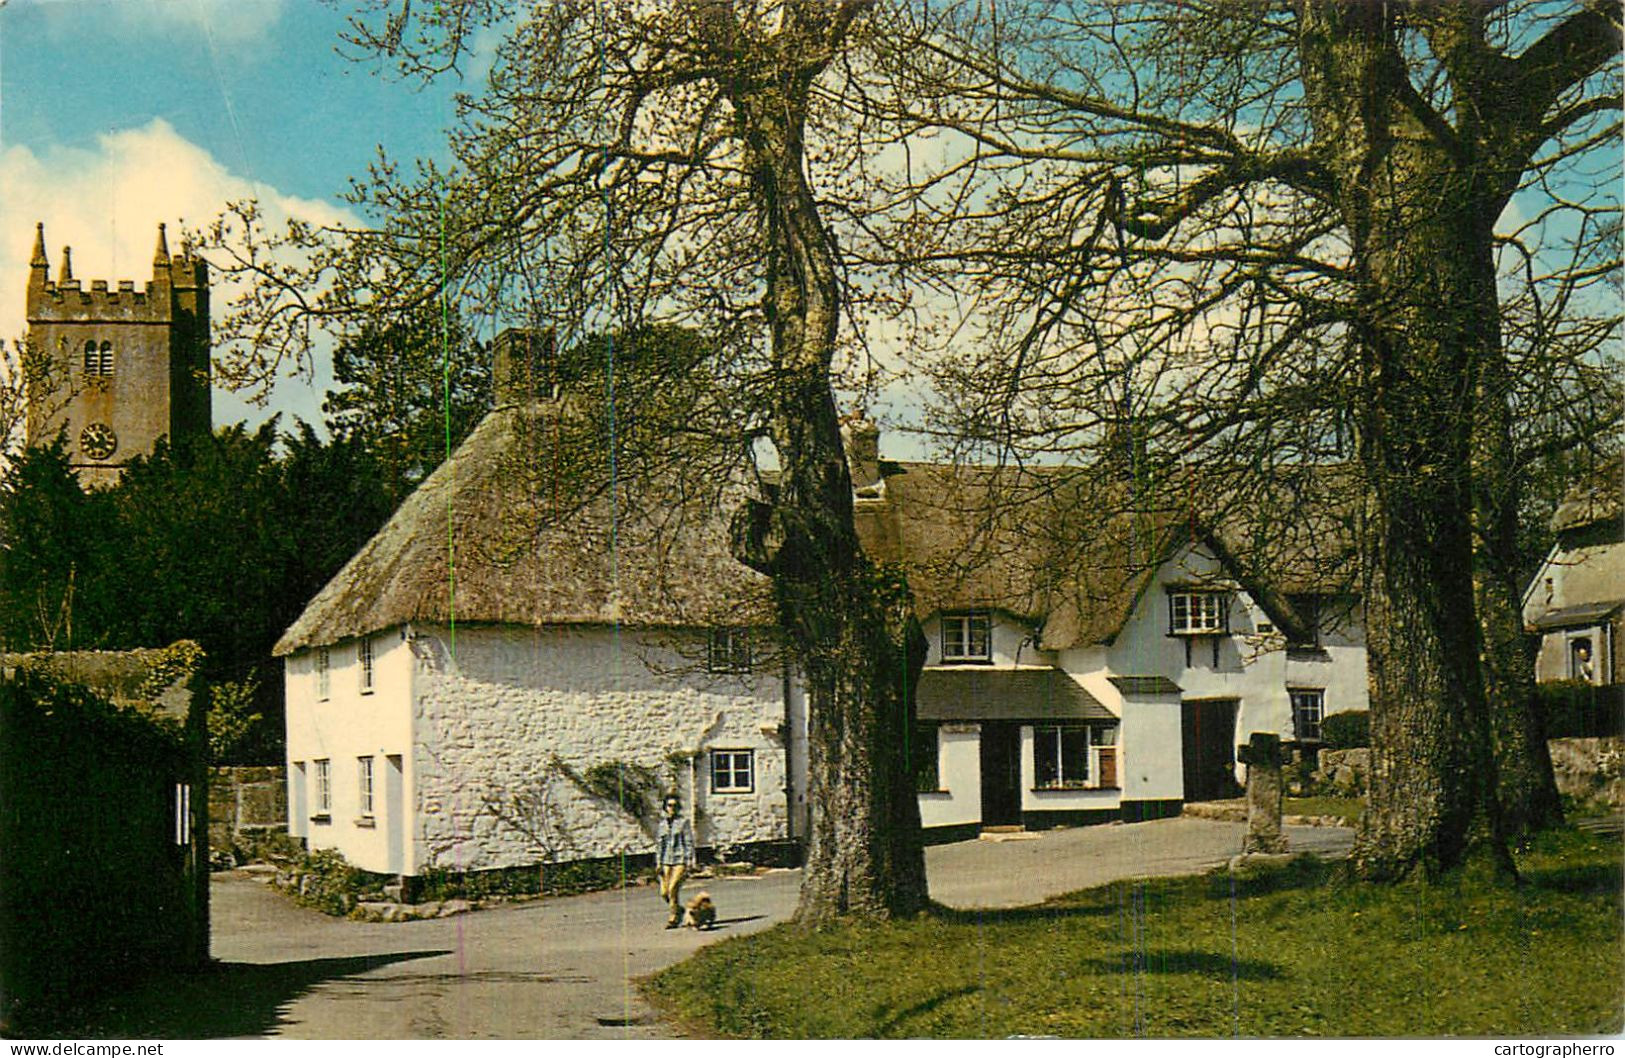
(1599, 497)
(1058, 547)
(503, 533)
(509, 531)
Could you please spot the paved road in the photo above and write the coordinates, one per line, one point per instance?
(562, 968)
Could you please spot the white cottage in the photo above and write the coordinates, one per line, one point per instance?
(1087, 666)
(1576, 600)
(506, 675)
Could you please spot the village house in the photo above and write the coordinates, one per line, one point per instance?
(1575, 601)
(506, 675)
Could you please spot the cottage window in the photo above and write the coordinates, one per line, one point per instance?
(324, 683)
(1308, 609)
(324, 791)
(967, 637)
(923, 756)
(1069, 756)
(1307, 708)
(733, 771)
(364, 786)
(1196, 613)
(364, 655)
(728, 650)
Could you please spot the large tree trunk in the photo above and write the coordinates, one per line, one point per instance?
(1419, 243)
(1527, 787)
(850, 625)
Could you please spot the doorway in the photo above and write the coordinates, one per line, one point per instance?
(1208, 748)
(1001, 774)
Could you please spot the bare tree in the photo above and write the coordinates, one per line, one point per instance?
(629, 164)
(1248, 235)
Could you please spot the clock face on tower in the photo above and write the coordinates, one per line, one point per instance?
(98, 441)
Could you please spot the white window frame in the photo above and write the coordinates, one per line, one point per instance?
(1301, 697)
(364, 801)
(324, 674)
(324, 790)
(959, 632)
(733, 771)
(728, 650)
(364, 655)
(1198, 612)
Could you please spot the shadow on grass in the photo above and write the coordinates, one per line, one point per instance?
(1199, 963)
(925, 1006)
(221, 1000)
(984, 916)
(1594, 878)
(1303, 872)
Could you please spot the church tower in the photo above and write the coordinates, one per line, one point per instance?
(124, 367)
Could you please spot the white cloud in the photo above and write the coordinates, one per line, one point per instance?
(106, 203)
(229, 22)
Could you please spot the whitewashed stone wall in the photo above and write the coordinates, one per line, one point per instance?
(496, 717)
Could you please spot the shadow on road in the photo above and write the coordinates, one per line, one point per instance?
(224, 999)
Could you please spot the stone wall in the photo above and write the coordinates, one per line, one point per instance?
(1346, 771)
(1590, 769)
(504, 729)
(245, 802)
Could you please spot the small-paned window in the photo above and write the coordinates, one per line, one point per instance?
(733, 771)
(324, 788)
(1192, 613)
(1307, 709)
(364, 655)
(1308, 609)
(967, 637)
(364, 785)
(728, 650)
(324, 681)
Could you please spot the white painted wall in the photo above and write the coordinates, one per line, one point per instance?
(491, 717)
(959, 774)
(1035, 800)
(1012, 642)
(1152, 766)
(347, 725)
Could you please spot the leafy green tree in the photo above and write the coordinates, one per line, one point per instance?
(413, 388)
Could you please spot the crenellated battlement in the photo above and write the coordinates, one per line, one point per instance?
(129, 365)
(65, 300)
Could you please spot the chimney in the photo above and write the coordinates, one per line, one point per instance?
(861, 439)
(522, 366)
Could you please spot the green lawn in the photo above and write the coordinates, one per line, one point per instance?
(1297, 952)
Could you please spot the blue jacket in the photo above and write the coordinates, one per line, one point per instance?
(674, 844)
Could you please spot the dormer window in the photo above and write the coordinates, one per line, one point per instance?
(728, 650)
(1198, 613)
(1308, 609)
(967, 638)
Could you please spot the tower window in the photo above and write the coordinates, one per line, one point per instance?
(98, 359)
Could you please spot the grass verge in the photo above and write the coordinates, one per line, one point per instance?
(1294, 952)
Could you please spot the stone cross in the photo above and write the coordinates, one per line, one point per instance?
(1262, 755)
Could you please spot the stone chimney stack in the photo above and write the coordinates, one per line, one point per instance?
(861, 438)
(522, 366)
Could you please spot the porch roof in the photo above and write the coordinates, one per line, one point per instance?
(954, 694)
(1584, 613)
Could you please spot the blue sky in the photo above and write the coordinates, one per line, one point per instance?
(118, 114)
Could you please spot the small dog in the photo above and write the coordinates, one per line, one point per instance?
(702, 914)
